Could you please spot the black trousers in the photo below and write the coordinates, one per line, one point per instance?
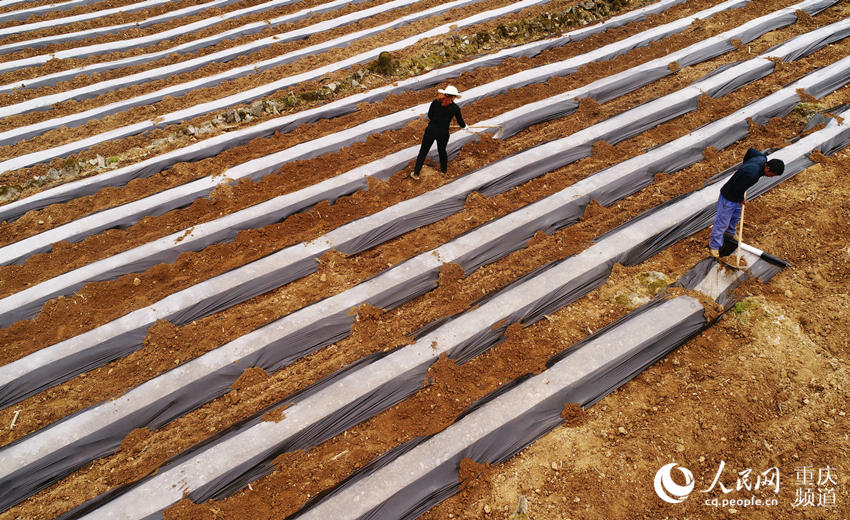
(428, 139)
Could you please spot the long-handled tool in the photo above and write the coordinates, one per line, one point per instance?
(741, 248)
(740, 232)
(498, 129)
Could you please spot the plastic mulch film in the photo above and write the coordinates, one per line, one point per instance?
(380, 384)
(410, 495)
(246, 70)
(56, 363)
(389, 296)
(614, 129)
(221, 486)
(25, 12)
(46, 24)
(165, 72)
(589, 390)
(143, 41)
(418, 479)
(212, 146)
(134, 333)
(714, 279)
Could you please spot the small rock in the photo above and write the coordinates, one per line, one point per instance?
(8, 192)
(232, 116)
(554, 465)
(136, 281)
(70, 169)
(622, 430)
(41, 222)
(733, 510)
(323, 277)
(487, 509)
(788, 293)
(257, 109)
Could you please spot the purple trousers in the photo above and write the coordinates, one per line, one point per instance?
(726, 221)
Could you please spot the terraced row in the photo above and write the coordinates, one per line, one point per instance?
(510, 180)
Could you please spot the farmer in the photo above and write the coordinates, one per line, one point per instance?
(440, 114)
(733, 193)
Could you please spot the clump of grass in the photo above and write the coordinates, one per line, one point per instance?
(805, 111)
(745, 309)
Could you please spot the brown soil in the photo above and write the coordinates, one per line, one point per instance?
(88, 311)
(461, 294)
(142, 113)
(234, 86)
(68, 256)
(766, 387)
(58, 65)
(58, 214)
(722, 396)
(102, 21)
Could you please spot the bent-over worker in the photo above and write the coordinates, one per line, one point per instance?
(440, 114)
(733, 193)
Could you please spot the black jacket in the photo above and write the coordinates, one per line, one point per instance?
(748, 174)
(440, 117)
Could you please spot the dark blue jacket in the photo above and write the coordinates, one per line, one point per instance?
(748, 174)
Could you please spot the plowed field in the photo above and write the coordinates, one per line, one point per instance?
(130, 307)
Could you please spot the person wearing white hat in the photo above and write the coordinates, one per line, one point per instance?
(440, 114)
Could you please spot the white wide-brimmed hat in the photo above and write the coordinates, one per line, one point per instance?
(451, 90)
